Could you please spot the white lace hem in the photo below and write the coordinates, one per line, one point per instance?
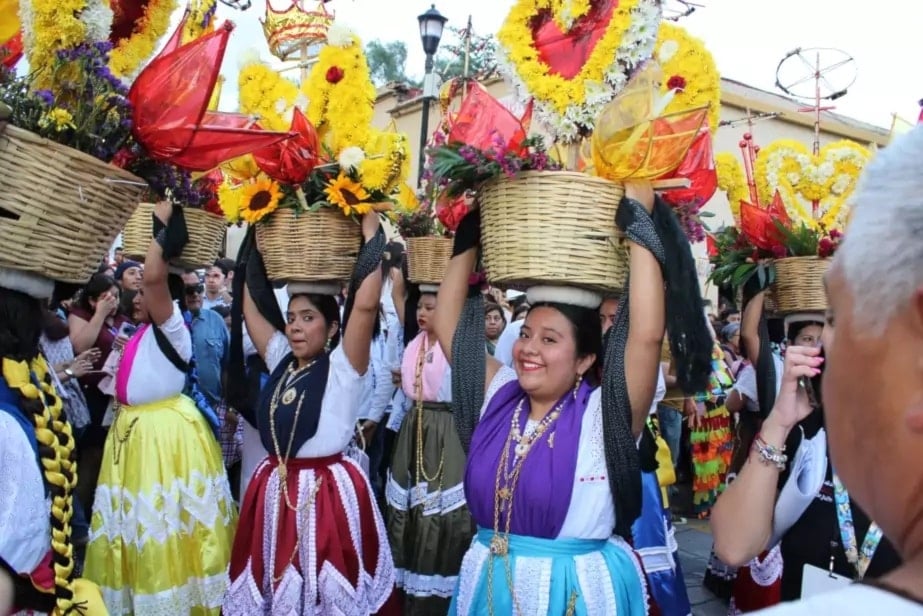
(420, 585)
(439, 502)
(197, 592)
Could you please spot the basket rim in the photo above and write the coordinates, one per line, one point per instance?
(562, 174)
(37, 140)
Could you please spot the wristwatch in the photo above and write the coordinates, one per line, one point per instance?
(70, 373)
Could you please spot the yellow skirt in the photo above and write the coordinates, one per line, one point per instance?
(163, 519)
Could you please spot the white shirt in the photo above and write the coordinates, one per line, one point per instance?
(746, 382)
(855, 600)
(592, 511)
(503, 352)
(153, 377)
(340, 407)
(377, 388)
(659, 393)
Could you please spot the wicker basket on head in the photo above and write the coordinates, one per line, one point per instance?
(60, 209)
(319, 246)
(799, 285)
(427, 258)
(542, 227)
(206, 234)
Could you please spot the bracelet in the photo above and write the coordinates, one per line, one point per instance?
(69, 373)
(770, 455)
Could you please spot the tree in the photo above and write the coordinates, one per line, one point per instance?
(387, 62)
(482, 55)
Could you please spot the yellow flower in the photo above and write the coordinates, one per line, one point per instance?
(732, 180)
(685, 59)
(130, 53)
(229, 199)
(57, 118)
(243, 168)
(259, 199)
(348, 195)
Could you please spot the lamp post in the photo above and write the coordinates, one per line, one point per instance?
(431, 24)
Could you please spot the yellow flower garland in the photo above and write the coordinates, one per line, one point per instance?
(800, 177)
(570, 106)
(132, 52)
(196, 25)
(684, 57)
(267, 95)
(50, 25)
(732, 180)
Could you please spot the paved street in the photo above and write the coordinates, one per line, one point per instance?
(695, 541)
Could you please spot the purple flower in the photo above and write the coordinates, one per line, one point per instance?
(46, 96)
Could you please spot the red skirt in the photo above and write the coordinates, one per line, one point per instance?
(329, 556)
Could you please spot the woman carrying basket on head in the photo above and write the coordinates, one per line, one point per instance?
(313, 539)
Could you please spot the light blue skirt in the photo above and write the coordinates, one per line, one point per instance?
(585, 577)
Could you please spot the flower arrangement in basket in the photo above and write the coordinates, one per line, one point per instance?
(429, 238)
(786, 244)
(303, 196)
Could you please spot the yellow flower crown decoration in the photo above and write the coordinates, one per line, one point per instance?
(733, 181)
(689, 68)
(569, 106)
(50, 25)
(801, 177)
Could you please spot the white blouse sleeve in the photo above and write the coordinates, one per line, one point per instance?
(504, 375)
(25, 528)
(276, 350)
(178, 335)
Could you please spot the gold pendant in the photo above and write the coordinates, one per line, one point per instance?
(289, 396)
(499, 546)
(504, 493)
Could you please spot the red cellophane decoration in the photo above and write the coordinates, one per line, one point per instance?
(710, 245)
(759, 225)
(292, 160)
(483, 123)
(11, 51)
(451, 211)
(565, 53)
(699, 168)
(170, 107)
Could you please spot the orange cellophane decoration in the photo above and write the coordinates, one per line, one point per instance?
(10, 33)
(632, 139)
(170, 100)
(292, 160)
(699, 168)
(483, 123)
(759, 225)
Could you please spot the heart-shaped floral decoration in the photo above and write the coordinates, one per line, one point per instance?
(802, 178)
(690, 70)
(573, 56)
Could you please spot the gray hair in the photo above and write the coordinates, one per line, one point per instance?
(882, 252)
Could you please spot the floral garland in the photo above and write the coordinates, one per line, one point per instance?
(269, 96)
(201, 19)
(50, 25)
(569, 106)
(130, 53)
(689, 68)
(731, 179)
(789, 167)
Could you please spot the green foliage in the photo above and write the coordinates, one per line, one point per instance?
(387, 62)
(800, 240)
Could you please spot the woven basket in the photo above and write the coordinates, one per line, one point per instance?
(206, 234)
(547, 227)
(316, 246)
(427, 258)
(799, 285)
(60, 209)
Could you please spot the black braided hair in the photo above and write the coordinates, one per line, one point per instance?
(469, 355)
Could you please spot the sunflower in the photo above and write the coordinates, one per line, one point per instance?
(259, 199)
(348, 195)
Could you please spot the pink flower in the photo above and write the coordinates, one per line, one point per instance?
(825, 247)
(779, 252)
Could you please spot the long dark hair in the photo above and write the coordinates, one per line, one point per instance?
(587, 332)
(54, 327)
(21, 321)
(177, 290)
(98, 284)
(329, 309)
(127, 303)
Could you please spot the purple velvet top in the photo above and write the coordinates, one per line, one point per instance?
(543, 493)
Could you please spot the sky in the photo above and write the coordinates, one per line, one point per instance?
(747, 37)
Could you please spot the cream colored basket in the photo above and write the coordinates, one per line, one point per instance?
(206, 235)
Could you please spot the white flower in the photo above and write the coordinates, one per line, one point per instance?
(281, 106)
(340, 36)
(351, 157)
(97, 18)
(301, 101)
(841, 185)
(667, 50)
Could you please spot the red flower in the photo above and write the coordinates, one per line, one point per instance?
(825, 247)
(779, 252)
(334, 74)
(835, 234)
(677, 82)
(123, 158)
(451, 213)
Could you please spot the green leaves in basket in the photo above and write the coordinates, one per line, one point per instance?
(800, 240)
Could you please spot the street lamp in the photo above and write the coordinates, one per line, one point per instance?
(431, 24)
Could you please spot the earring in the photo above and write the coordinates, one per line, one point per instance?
(577, 384)
(327, 345)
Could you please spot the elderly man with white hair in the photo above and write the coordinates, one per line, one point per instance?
(873, 382)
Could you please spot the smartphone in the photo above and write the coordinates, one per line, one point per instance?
(812, 385)
(127, 330)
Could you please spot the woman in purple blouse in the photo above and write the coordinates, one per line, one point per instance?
(552, 478)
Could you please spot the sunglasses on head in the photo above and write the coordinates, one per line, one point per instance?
(194, 289)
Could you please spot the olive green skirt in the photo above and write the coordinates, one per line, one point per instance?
(429, 526)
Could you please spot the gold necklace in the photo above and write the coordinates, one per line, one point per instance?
(418, 394)
(282, 467)
(293, 376)
(505, 483)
